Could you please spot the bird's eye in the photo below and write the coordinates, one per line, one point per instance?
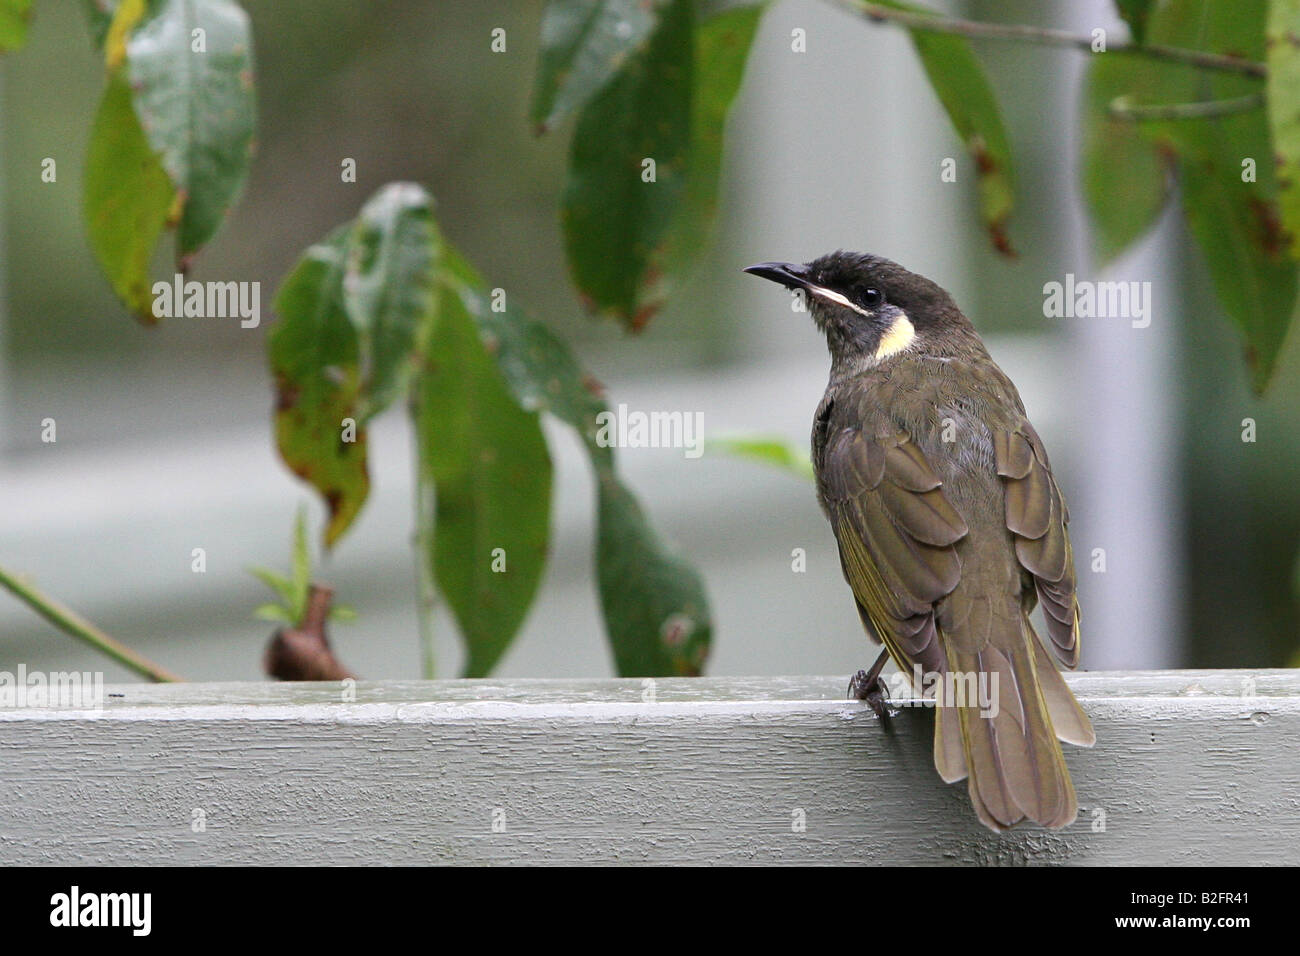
(872, 298)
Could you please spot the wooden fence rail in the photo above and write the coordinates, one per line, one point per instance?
(1191, 767)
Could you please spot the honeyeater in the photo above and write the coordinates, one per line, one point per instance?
(951, 529)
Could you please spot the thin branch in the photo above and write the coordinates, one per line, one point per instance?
(1121, 108)
(426, 588)
(1015, 31)
(67, 620)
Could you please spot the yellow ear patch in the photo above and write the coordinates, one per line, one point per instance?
(899, 337)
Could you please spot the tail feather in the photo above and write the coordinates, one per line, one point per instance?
(1068, 719)
(949, 753)
(1010, 757)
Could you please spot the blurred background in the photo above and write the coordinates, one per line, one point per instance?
(164, 440)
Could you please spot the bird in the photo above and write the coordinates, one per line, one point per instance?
(951, 528)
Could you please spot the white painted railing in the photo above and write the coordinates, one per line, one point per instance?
(1191, 767)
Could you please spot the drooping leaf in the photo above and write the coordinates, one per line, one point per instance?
(191, 67)
(633, 231)
(1229, 188)
(628, 165)
(653, 602)
(584, 44)
(722, 45)
(1283, 39)
(959, 82)
(1126, 177)
(14, 15)
(1233, 216)
(127, 198)
(1135, 14)
(487, 460)
(538, 366)
(314, 361)
(1255, 282)
(655, 608)
(388, 288)
(771, 451)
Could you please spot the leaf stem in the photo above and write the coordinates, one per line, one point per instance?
(68, 621)
(1121, 108)
(426, 589)
(976, 29)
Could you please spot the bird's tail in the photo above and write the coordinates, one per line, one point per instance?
(1004, 741)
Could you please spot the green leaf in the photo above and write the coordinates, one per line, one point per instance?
(629, 242)
(14, 15)
(273, 612)
(655, 608)
(539, 368)
(388, 288)
(613, 220)
(315, 365)
(657, 617)
(959, 81)
(722, 45)
(771, 451)
(300, 563)
(584, 45)
(1135, 14)
(1235, 222)
(487, 461)
(343, 613)
(127, 198)
(277, 582)
(1283, 44)
(1229, 189)
(1126, 177)
(191, 67)
(1255, 283)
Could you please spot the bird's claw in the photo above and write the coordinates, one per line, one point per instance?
(872, 691)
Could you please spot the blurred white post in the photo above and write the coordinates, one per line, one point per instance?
(1127, 497)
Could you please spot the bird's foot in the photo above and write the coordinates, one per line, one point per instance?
(870, 688)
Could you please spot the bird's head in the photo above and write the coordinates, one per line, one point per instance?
(870, 308)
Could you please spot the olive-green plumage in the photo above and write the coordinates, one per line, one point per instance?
(950, 524)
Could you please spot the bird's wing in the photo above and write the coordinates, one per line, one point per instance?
(896, 530)
(1037, 515)
(898, 534)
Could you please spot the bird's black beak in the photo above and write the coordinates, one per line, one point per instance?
(787, 273)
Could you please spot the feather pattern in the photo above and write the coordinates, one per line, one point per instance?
(947, 585)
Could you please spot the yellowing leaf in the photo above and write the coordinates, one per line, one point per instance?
(126, 199)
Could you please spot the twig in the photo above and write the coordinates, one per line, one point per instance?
(426, 589)
(1017, 31)
(1121, 108)
(68, 621)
